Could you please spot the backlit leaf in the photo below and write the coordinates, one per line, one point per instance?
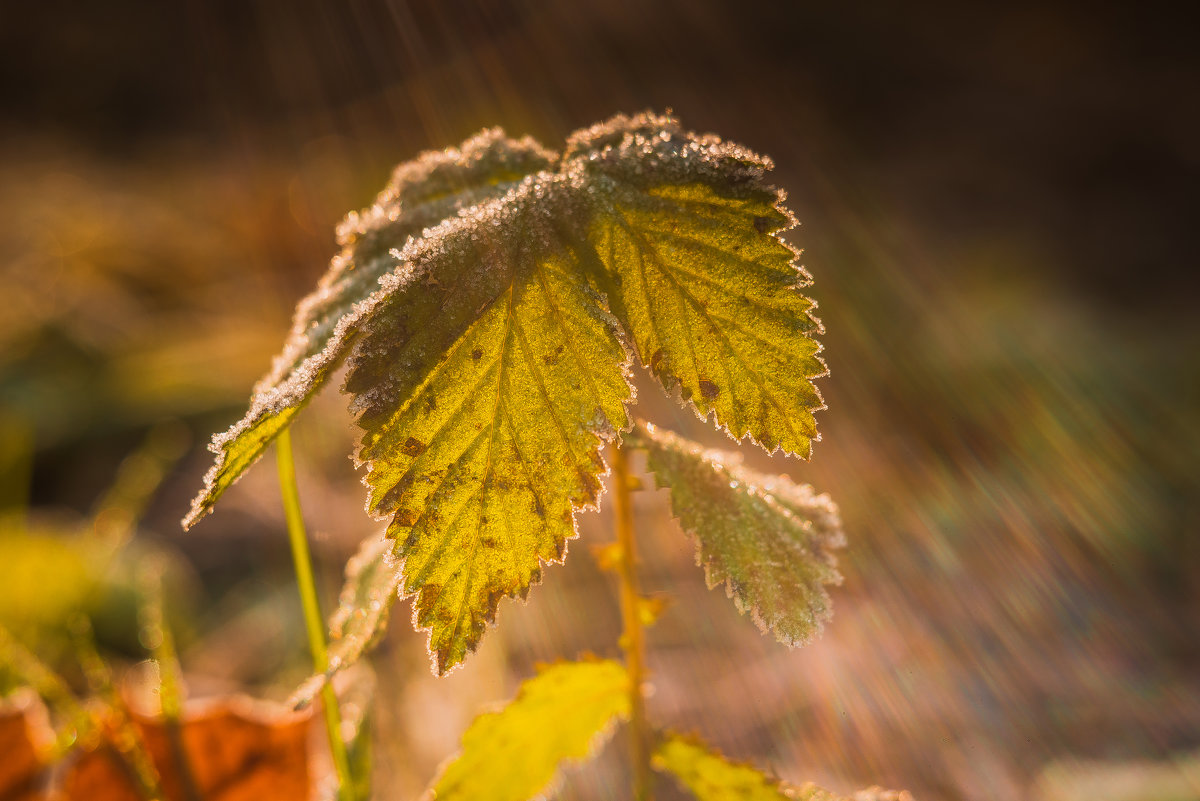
(768, 540)
(372, 581)
(421, 194)
(711, 777)
(515, 753)
(688, 233)
(490, 365)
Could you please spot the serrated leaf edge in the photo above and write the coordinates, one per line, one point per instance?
(718, 459)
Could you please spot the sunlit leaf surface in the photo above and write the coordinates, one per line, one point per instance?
(768, 540)
(489, 362)
(711, 777)
(515, 753)
(711, 300)
(484, 407)
(421, 193)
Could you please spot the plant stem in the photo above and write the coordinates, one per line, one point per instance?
(633, 640)
(313, 620)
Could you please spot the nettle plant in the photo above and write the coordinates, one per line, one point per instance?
(489, 308)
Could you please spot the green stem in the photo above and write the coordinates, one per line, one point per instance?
(313, 619)
(633, 639)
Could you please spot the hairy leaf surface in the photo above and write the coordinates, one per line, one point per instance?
(768, 540)
(560, 714)
(372, 581)
(421, 194)
(484, 408)
(488, 363)
(711, 300)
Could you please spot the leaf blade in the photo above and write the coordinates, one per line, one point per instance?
(560, 714)
(422, 193)
(483, 437)
(768, 540)
(687, 230)
(709, 776)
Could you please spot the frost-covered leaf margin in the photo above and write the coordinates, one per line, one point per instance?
(769, 540)
(635, 199)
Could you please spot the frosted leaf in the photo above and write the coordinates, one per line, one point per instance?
(484, 408)
(489, 307)
(372, 582)
(768, 540)
(687, 229)
(421, 194)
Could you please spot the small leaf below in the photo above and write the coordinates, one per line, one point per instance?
(514, 754)
(709, 776)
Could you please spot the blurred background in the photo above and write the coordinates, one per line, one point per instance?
(998, 207)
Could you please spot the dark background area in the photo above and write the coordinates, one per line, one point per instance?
(998, 206)
(1073, 125)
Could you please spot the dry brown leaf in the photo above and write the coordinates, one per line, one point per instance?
(237, 749)
(24, 736)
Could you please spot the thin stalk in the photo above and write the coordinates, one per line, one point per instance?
(633, 639)
(171, 693)
(313, 620)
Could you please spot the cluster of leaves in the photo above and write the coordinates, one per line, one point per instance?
(560, 714)
(489, 306)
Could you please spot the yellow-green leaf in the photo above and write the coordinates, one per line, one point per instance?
(768, 540)
(489, 364)
(421, 194)
(688, 230)
(709, 776)
(483, 427)
(514, 754)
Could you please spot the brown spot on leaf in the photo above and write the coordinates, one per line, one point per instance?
(476, 355)
(412, 447)
(708, 390)
(762, 224)
(405, 518)
(656, 359)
